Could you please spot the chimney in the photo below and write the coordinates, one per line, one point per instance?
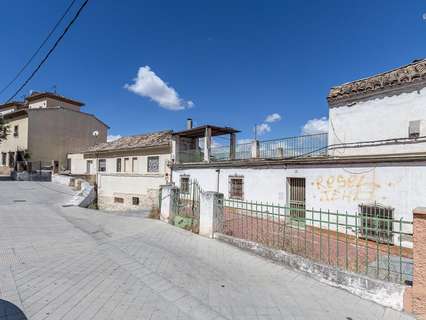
(188, 123)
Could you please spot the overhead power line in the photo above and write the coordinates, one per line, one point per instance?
(39, 48)
(77, 14)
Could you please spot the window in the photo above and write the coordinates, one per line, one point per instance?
(184, 184)
(296, 193)
(102, 165)
(134, 164)
(153, 164)
(236, 187)
(126, 165)
(11, 159)
(414, 129)
(135, 201)
(15, 131)
(89, 165)
(119, 165)
(118, 200)
(376, 222)
(3, 158)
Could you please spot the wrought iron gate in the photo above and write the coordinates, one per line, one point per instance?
(186, 206)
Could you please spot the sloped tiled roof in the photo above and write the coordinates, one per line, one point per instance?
(153, 139)
(398, 78)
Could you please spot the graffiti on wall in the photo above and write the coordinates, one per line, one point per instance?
(347, 187)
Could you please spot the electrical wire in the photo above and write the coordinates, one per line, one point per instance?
(39, 48)
(50, 51)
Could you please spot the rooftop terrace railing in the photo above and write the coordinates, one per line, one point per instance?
(293, 147)
(301, 146)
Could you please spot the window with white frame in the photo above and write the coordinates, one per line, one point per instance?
(236, 187)
(153, 164)
(102, 165)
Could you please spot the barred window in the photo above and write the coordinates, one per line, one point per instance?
(135, 201)
(153, 164)
(119, 165)
(118, 200)
(102, 165)
(236, 185)
(184, 184)
(376, 222)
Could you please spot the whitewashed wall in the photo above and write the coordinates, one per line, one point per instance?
(78, 164)
(378, 119)
(126, 186)
(335, 188)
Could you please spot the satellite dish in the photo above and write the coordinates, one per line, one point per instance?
(95, 133)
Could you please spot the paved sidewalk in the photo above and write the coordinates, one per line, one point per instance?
(73, 263)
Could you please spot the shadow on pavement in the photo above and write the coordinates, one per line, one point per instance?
(5, 178)
(9, 311)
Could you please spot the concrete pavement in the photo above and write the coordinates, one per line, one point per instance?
(72, 263)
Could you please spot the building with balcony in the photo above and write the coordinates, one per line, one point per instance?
(372, 159)
(44, 128)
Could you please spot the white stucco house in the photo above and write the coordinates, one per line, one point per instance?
(374, 154)
(128, 171)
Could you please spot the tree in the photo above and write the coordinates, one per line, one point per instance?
(4, 130)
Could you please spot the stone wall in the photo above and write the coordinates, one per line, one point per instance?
(146, 201)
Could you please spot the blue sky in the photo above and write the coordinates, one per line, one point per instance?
(236, 61)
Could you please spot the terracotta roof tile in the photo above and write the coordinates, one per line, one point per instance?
(153, 139)
(412, 73)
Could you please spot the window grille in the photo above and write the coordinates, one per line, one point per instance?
(153, 164)
(376, 222)
(102, 165)
(236, 187)
(296, 197)
(119, 165)
(184, 184)
(135, 201)
(118, 200)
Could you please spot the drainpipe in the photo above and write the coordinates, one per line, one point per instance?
(218, 179)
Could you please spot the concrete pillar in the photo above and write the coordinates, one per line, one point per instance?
(416, 299)
(175, 149)
(211, 212)
(232, 146)
(207, 144)
(255, 149)
(168, 195)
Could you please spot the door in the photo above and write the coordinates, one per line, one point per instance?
(296, 196)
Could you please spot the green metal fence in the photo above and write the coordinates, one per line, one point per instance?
(370, 243)
(186, 206)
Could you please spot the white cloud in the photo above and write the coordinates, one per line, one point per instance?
(316, 125)
(148, 84)
(112, 137)
(243, 141)
(273, 118)
(263, 128)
